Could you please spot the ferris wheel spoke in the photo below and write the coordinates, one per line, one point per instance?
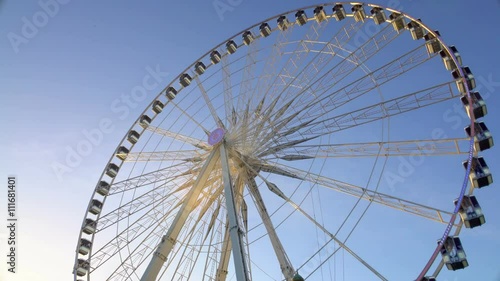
(185, 139)
(210, 106)
(287, 74)
(366, 83)
(176, 171)
(396, 106)
(430, 147)
(140, 226)
(227, 88)
(302, 51)
(364, 193)
(270, 68)
(297, 207)
(245, 95)
(153, 197)
(192, 156)
(342, 69)
(135, 258)
(285, 264)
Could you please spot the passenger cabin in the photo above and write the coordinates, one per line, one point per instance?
(469, 78)
(358, 12)
(231, 47)
(478, 105)
(432, 44)
(247, 37)
(122, 152)
(300, 17)
(215, 57)
(283, 23)
(171, 92)
(103, 188)
(144, 121)
(480, 175)
(199, 68)
(429, 278)
(482, 136)
(95, 207)
(470, 212)
(89, 226)
(84, 247)
(185, 80)
(133, 136)
(378, 15)
(453, 253)
(112, 170)
(448, 61)
(158, 107)
(397, 20)
(416, 30)
(82, 267)
(339, 12)
(265, 30)
(319, 14)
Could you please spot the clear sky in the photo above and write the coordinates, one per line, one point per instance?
(60, 78)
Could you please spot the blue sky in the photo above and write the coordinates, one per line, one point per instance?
(64, 78)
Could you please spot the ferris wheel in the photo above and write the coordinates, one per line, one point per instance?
(272, 157)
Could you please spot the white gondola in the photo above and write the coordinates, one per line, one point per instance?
(265, 30)
(453, 253)
(482, 136)
(478, 105)
(84, 247)
(112, 170)
(95, 207)
(432, 44)
(82, 267)
(215, 57)
(170, 93)
(358, 12)
(231, 47)
(319, 14)
(470, 212)
(416, 30)
(480, 175)
(103, 188)
(339, 12)
(133, 136)
(158, 107)
(144, 121)
(448, 62)
(469, 78)
(199, 68)
(122, 152)
(283, 23)
(89, 227)
(378, 15)
(300, 17)
(185, 80)
(247, 37)
(397, 20)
